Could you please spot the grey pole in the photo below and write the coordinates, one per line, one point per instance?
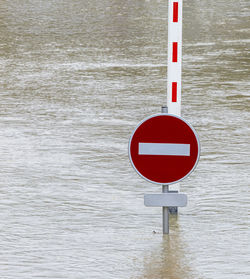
(165, 213)
(165, 189)
(164, 109)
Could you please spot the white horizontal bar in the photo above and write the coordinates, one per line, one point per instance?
(165, 199)
(170, 149)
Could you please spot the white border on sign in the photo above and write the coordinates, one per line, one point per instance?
(190, 126)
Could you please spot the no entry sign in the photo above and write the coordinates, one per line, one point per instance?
(164, 149)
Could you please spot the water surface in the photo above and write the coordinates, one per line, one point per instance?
(75, 79)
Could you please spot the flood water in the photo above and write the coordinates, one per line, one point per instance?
(76, 77)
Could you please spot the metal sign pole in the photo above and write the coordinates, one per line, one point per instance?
(165, 189)
(165, 213)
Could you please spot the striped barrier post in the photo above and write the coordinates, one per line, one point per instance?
(173, 82)
(174, 57)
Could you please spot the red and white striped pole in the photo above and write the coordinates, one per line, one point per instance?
(174, 56)
(174, 79)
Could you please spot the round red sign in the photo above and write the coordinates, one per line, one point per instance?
(164, 149)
